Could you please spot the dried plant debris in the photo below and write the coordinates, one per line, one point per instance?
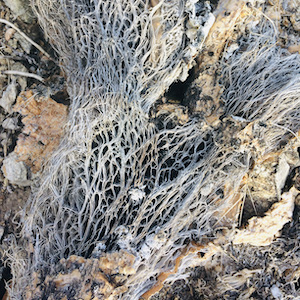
(243, 271)
(93, 278)
(23, 63)
(165, 184)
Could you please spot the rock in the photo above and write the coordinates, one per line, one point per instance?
(276, 293)
(26, 46)
(4, 63)
(22, 81)
(15, 171)
(9, 97)
(22, 9)
(44, 120)
(294, 48)
(13, 43)
(5, 142)
(273, 13)
(229, 51)
(173, 110)
(295, 22)
(1, 231)
(10, 123)
(9, 34)
(3, 136)
(282, 173)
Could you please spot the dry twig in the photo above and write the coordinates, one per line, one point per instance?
(26, 37)
(25, 74)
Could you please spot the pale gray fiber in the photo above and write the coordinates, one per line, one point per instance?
(120, 181)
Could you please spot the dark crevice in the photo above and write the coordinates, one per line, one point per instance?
(61, 97)
(214, 4)
(6, 276)
(178, 89)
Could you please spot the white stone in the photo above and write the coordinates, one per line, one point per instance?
(10, 123)
(137, 194)
(26, 46)
(282, 173)
(15, 171)
(21, 80)
(230, 50)
(21, 8)
(9, 97)
(276, 293)
(1, 231)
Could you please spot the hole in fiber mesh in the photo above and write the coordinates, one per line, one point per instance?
(177, 89)
(200, 147)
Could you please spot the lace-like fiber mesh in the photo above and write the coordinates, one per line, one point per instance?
(263, 86)
(117, 180)
(131, 48)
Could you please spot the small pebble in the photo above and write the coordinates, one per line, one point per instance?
(9, 34)
(9, 97)
(10, 123)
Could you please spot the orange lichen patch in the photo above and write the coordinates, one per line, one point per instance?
(44, 121)
(88, 279)
(191, 256)
(262, 231)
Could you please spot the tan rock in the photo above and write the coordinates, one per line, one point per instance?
(21, 8)
(295, 22)
(9, 34)
(44, 120)
(294, 48)
(262, 231)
